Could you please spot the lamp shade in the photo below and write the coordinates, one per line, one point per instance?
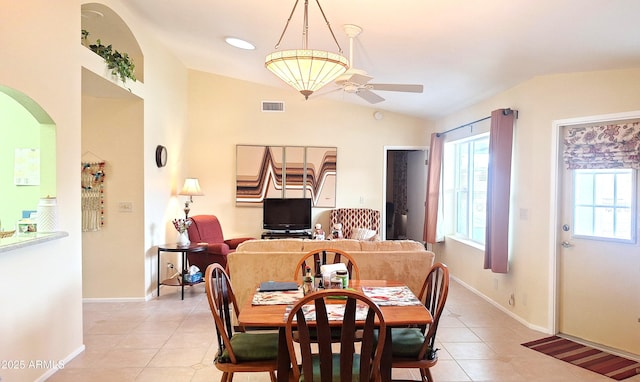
(191, 187)
(306, 70)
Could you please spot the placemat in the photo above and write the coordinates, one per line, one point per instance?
(391, 296)
(276, 298)
(334, 311)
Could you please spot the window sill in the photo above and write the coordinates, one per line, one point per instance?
(16, 242)
(468, 242)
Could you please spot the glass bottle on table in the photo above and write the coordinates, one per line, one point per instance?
(318, 282)
(307, 282)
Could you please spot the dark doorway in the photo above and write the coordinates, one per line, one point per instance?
(405, 193)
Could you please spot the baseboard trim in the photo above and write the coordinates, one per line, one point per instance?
(65, 361)
(502, 308)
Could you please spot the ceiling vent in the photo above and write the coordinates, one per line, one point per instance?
(273, 106)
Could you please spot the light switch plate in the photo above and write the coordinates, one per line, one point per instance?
(125, 207)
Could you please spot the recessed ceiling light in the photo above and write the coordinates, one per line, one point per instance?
(239, 43)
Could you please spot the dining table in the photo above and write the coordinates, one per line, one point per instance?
(399, 306)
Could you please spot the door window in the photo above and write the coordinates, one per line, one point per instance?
(604, 203)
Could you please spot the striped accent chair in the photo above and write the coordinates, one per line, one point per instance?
(353, 218)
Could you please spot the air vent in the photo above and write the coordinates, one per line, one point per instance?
(273, 106)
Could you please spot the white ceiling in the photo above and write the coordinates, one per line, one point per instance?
(462, 51)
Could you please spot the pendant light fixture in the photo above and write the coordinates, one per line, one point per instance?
(306, 70)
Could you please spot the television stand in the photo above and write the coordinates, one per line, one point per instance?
(286, 235)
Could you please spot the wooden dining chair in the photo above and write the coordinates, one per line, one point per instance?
(324, 361)
(415, 347)
(238, 351)
(326, 256)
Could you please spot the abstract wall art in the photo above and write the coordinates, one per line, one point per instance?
(285, 172)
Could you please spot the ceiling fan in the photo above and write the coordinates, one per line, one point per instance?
(356, 81)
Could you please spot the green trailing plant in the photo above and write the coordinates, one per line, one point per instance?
(120, 64)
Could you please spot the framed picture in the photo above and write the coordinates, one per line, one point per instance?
(285, 172)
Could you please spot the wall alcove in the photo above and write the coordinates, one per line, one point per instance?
(103, 23)
(37, 131)
(113, 133)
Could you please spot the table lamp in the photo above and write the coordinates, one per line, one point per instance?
(191, 188)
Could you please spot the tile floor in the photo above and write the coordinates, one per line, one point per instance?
(172, 340)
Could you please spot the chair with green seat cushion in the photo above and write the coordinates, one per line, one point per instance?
(335, 375)
(327, 256)
(323, 359)
(249, 347)
(238, 351)
(415, 347)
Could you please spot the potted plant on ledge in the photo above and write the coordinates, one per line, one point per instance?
(120, 64)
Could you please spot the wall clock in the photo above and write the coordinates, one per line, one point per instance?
(161, 156)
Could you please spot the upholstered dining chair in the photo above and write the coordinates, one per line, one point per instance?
(326, 256)
(324, 361)
(415, 347)
(238, 351)
(207, 229)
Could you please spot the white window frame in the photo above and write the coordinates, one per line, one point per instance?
(633, 208)
(450, 174)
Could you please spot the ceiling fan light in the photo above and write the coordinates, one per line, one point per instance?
(306, 70)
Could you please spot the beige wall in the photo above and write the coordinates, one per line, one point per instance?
(125, 132)
(42, 319)
(539, 101)
(112, 131)
(225, 112)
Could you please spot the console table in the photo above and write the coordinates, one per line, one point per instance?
(286, 235)
(179, 280)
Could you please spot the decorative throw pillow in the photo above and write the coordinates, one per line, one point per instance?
(363, 234)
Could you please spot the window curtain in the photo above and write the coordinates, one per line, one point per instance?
(496, 252)
(433, 189)
(399, 193)
(400, 182)
(605, 146)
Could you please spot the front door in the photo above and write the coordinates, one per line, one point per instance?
(598, 257)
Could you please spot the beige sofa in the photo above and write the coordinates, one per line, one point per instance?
(255, 261)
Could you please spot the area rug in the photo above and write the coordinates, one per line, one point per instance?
(598, 361)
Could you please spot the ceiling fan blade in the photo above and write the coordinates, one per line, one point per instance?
(398, 88)
(360, 79)
(369, 96)
(353, 78)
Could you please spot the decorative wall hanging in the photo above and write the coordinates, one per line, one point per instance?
(92, 179)
(285, 172)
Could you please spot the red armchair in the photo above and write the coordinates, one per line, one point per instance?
(206, 229)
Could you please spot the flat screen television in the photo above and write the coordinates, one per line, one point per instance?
(292, 214)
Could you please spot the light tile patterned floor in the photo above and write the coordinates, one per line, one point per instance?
(172, 340)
